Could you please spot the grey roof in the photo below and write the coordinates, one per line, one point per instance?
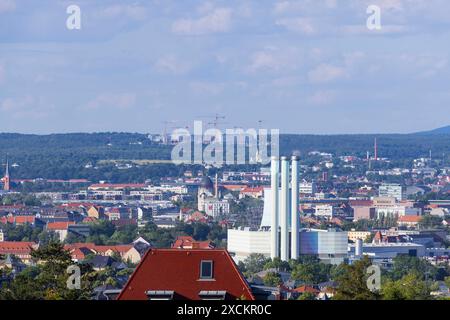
(206, 183)
(101, 261)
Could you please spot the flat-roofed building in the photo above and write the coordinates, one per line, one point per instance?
(391, 190)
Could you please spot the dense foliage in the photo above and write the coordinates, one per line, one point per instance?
(65, 156)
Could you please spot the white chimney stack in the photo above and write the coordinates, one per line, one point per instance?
(274, 172)
(284, 206)
(359, 248)
(284, 209)
(295, 223)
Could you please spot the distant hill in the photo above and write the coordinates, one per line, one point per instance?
(442, 130)
(83, 155)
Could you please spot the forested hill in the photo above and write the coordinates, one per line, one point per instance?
(442, 130)
(394, 146)
(91, 146)
(64, 156)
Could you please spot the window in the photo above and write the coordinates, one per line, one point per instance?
(212, 295)
(206, 270)
(160, 294)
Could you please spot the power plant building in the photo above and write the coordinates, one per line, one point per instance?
(279, 235)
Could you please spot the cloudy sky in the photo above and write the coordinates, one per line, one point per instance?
(306, 66)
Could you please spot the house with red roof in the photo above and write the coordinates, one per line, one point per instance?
(127, 252)
(305, 288)
(197, 216)
(186, 242)
(408, 221)
(18, 220)
(255, 192)
(60, 228)
(20, 249)
(234, 187)
(196, 274)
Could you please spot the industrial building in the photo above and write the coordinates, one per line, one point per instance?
(384, 252)
(279, 235)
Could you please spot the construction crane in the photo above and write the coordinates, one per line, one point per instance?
(165, 133)
(217, 120)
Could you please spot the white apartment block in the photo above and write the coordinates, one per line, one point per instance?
(392, 191)
(214, 207)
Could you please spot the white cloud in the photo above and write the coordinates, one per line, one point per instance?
(7, 5)
(264, 60)
(26, 107)
(326, 73)
(275, 59)
(300, 25)
(207, 88)
(16, 104)
(219, 20)
(112, 100)
(134, 12)
(385, 29)
(171, 64)
(2, 73)
(322, 97)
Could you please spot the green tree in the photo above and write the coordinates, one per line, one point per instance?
(352, 283)
(403, 265)
(272, 279)
(278, 265)
(254, 263)
(307, 296)
(429, 221)
(409, 287)
(48, 279)
(447, 282)
(310, 270)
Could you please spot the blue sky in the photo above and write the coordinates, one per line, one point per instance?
(306, 66)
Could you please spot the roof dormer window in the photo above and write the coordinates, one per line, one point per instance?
(206, 270)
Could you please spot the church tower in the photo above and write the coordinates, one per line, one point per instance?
(6, 179)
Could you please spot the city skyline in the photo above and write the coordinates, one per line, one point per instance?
(307, 67)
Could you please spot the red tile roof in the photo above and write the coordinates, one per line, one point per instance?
(123, 248)
(253, 190)
(409, 219)
(186, 242)
(16, 247)
(179, 271)
(18, 219)
(197, 216)
(59, 225)
(303, 289)
(234, 187)
(118, 186)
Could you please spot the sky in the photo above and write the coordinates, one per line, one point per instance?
(305, 66)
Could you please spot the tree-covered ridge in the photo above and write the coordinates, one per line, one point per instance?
(83, 155)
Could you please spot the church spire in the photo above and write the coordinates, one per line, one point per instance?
(7, 167)
(6, 179)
